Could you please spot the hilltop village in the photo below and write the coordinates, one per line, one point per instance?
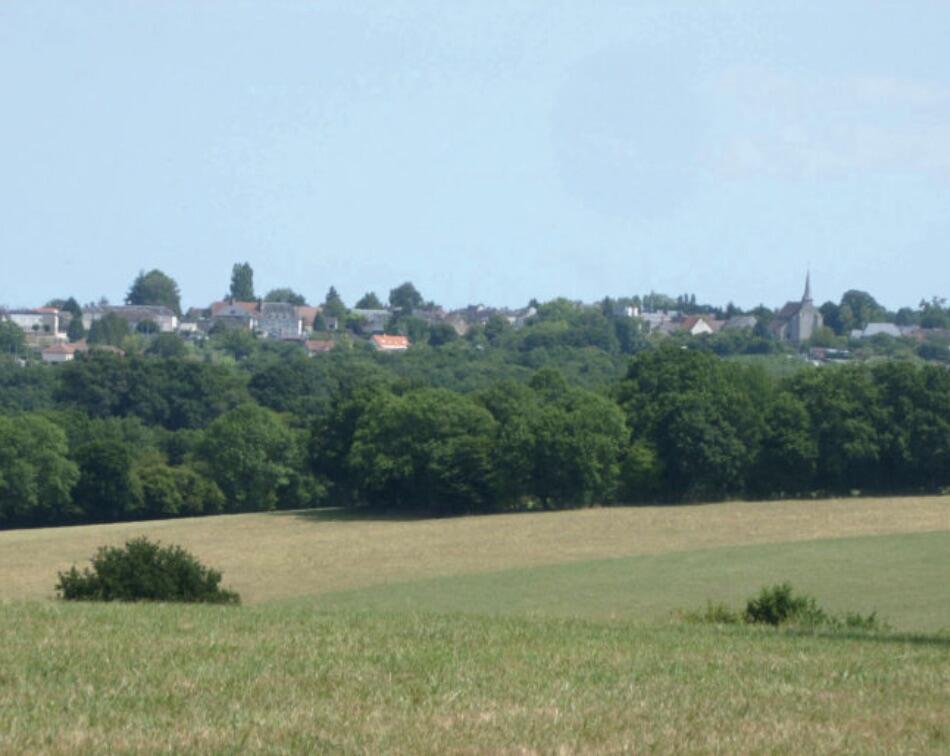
(59, 330)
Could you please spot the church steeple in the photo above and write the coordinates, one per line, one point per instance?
(807, 296)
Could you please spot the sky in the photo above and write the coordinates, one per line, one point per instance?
(490, 152)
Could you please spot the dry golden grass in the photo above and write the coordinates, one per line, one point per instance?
(283, 555)
(285, 679)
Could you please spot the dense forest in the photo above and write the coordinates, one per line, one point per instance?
(577, 409)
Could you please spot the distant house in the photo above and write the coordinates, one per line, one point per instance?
(234, 315)
(57, 353)
(655, 320)
(698, 325)
(163, 317)
(39, 320)
(797, 321)
(385, 343)
(319, 346)
(279, 320)
(625, 310)
(372, 321)
(876, 329)
(307, 315)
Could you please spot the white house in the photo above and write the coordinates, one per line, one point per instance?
(163, 317)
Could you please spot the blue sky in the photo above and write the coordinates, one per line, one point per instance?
(487, 151)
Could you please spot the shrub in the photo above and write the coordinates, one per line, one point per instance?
(776, 606)
(144, 571)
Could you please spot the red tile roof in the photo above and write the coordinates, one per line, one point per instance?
(319, 345)
(383, 341)
(251, 307)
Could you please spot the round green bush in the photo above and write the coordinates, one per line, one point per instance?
(143, 570)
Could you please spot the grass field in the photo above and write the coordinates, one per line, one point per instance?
(538, 632)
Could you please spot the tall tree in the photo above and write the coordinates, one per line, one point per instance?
(12, 340)
(242, 282)
(109, 329)
(36, 476)
(108, 488)
(250, 453)
(285, 294)
(369, 301)
(333, 306)
(405, 298)
(154, 288)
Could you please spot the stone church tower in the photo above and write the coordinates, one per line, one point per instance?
(798, 321)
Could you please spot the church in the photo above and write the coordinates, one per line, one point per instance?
(798, 321)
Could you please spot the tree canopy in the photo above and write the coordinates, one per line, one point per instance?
(285, 294)
(154, 288)
(242, 282)
(369, 301)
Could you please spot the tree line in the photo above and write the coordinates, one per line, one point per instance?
(107, 438)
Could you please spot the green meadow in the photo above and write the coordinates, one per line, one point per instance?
(513, 633)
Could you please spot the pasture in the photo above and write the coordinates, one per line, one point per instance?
(532, 632)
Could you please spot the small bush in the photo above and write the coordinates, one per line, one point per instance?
(144, 571)
(777, 606)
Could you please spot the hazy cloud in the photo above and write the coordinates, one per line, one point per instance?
(798, 127)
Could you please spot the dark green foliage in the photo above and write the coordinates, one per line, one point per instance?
(285, 294)
(36, 474)
(441, 334)
(108, 489)
(333, 306)
(173, 393)
(154, 288)
(76, 331)
(25, 389)
(405, 298)
(704, 416)
(429, 451)
(110, 330)
(12, 338)
(369, 301)
(777, 605)
(144, 571)
(177, 492)
(167, 345)
(252, 456)
(242, 282)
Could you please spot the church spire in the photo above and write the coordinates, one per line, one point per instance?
(807, 295)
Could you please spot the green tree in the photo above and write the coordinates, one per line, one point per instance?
(405, 298)
(285, 294)
(167, 345)
(844, 410)
(250, 453)
(788, 457)
(441, 334)
(242, 282)
(704, 416)
(110, 329)
(36, 474)
(76, 331)
(429, 450)
(108, 489)
(154, 288)
(12, 338)
(333, 306)
(496, 327)
(177, 491)
(369, 301)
